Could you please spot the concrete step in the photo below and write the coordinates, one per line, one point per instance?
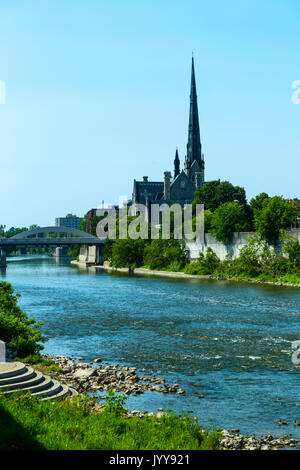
(16, 377)
(53, 389)
(28, 374)
(65, 391)
(11, 369)
(57, 390)
(43, 385)
(25, 384)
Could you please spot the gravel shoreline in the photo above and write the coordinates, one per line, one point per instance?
(95, 377)
(181, 275)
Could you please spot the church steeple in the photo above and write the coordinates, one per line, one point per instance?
(194, 151)
(176, 164)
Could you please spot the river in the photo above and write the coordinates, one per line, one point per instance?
(230, 342)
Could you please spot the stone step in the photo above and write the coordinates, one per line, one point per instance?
(11, 369)
(43, 385)
(16, 377)
(25, 384)
(57, 391)
(28, 374)
(51, 391)
(65, 391)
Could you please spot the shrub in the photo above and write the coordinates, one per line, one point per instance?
(166, 254)
(114, 403)
(291, 247)
(127, 253)
(22, 333)
(205, 264)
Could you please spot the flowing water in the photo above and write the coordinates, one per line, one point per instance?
(230, 342)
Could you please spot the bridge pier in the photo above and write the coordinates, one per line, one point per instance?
(91, 254)
(99, 256)
(61, 252)
(3, 254)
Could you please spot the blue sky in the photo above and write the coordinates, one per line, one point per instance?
(97, 94)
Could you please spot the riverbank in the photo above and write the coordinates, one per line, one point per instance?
(182, 275)
(88, 379)
(94, 377)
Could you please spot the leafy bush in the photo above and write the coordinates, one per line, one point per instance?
(205, 264)
(23, 334)
(127, 253)
(175, 266)
(291, 248)
(165, 254)
(258, 260)
(114, 403)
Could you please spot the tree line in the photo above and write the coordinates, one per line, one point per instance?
(226, 211)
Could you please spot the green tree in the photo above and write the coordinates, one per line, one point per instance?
(166, 254)
(14, 231)
(208, 217)
(276, 215)
(15, 328)
(214, 193)
(127, 253)
(228, 218)
(256, 203)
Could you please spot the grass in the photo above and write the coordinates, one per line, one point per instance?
(291, 278)
(28, 423)
(46, 366)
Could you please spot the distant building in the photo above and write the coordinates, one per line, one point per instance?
(70, 220)
(180, 187)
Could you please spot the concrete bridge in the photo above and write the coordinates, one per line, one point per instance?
(61, 237)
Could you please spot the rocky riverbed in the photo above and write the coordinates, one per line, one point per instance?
(95, 377)
(235, 441)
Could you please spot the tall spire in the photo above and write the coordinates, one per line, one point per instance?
(194, 144)
(176, 164)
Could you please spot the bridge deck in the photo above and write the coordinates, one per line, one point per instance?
(61, 241)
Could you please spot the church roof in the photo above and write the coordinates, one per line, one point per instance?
(153, 189)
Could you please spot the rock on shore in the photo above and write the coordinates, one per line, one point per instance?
(120, 378)
(235, 441)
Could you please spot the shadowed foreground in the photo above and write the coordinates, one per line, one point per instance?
(76, 424)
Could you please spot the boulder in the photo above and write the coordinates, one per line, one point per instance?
(85, 373)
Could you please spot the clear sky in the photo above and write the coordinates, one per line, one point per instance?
(97, 94)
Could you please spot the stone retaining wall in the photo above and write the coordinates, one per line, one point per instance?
(239, 239)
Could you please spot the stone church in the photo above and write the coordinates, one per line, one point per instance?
(180, 187)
